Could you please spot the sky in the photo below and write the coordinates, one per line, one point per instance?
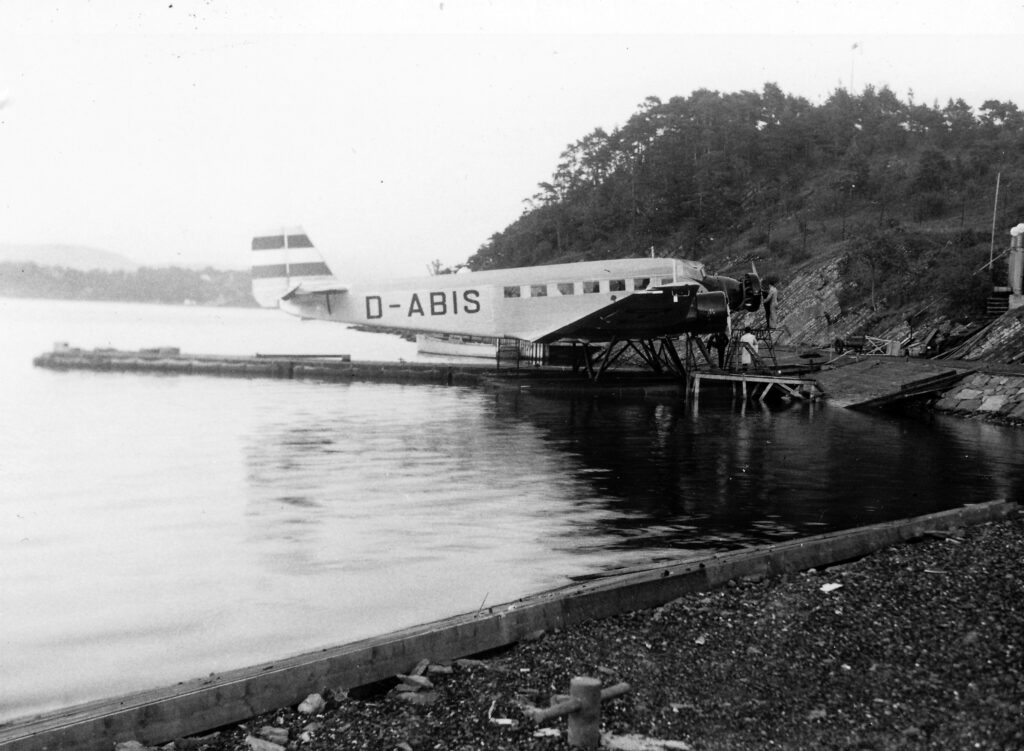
(398, 132)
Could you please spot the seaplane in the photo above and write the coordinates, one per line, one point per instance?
(607, 307)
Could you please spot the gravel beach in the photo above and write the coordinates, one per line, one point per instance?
(920, 645)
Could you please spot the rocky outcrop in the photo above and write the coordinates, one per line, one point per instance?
(809, 315)
(808, 310)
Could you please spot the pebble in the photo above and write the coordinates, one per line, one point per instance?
(415, 681)
(641, 743)
(422, 698)
(258, 744)
(313, 704)
(274, 735)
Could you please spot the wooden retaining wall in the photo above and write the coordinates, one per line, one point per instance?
(158, 716)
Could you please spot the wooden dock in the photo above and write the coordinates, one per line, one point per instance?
(158, 716)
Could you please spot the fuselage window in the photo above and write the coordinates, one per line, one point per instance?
(565, 288)
(538, 290)
(591, 287)
(511, 291)
(617, 285)
(641, 283)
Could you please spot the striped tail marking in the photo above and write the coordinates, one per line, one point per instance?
(281, 261)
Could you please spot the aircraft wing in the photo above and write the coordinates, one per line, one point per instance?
(314, 287)
(647, 315)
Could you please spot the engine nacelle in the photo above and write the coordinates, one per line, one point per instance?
(709, 313)
(743, 294)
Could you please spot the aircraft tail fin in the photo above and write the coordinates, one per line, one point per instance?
(284, 259)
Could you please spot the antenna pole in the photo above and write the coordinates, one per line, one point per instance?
(995, 208)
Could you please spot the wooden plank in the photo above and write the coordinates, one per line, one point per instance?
(158, 716)
(913, 389)
(942, 380)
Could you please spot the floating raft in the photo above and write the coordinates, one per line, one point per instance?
(156, 717)
(533, 379)
(319, 367)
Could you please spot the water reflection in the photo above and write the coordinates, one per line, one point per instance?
(397, 475)
(733, 474)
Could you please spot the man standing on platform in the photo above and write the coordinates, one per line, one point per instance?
(748, 347)
(769, 297)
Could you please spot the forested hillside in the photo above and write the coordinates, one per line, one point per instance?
(900, 192)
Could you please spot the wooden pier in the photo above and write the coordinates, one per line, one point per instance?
(760, 386)
(158, 716)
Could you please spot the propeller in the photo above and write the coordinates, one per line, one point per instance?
(751, 286)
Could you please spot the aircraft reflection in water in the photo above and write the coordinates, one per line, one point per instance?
(633, 299)
(608, 479)
(732, 477)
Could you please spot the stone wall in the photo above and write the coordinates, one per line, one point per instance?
(988, 395)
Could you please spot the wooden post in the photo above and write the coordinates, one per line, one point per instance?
(583, 708)
(584, 724)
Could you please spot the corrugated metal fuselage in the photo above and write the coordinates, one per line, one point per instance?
(525, 303)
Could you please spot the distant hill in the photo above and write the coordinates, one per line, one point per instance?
(169, 286)
(78, 257)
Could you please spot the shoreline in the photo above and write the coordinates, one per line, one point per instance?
(921, 645)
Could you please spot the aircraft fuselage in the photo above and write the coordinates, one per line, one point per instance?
(524, 302)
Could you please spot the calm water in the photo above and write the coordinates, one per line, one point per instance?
(159, 528)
